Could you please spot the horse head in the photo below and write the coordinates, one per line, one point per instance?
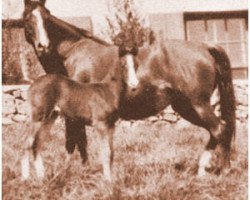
(35, 15)
(127, 54)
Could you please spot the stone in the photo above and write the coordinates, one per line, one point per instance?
(126, 124)
(17, 93)
(22, 106)
(7, 121)
(8, 104)
(241, 107)
(182, 123)
(169, 110)
(170, 117)
(153, 119)
(24, 94)
(19, 118)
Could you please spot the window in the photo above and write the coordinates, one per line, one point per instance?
(228, 29)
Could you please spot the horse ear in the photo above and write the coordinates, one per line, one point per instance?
(43, 1)
(119, 39)
(27, 2)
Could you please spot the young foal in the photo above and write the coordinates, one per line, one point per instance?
(96, 104)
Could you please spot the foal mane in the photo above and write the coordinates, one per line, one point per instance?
(75, 31)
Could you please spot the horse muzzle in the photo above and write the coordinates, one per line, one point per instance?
(40, 49)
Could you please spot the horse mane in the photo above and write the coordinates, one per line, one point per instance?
(75, 31)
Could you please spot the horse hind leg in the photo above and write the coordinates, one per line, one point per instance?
(203, 116)
(76, 136)
(33, 127)
(40, 137)
(106, 148)
(216, 128)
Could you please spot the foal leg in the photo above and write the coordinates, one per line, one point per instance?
(40, 137)
(76, 135)
(25, 166)
(106, 148)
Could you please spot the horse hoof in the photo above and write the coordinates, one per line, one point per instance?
(39, 167)
(25, 168)
(70, 147)
(202, 173)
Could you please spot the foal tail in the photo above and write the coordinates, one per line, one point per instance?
(227, 97)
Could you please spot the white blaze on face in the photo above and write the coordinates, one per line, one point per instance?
(42, 35)
(132, 79)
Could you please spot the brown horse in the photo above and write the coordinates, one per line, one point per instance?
(177, 73)
(94, 104)
(65, 49)
(184, 75)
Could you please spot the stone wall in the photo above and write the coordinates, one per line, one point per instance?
(15, 107)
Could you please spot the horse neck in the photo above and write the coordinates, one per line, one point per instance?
(60, 31)
(116, 83)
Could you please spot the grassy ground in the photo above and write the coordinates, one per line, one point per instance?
(152, 161)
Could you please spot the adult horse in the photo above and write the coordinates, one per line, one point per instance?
(179, 73)
(67, 50)
(184, 75)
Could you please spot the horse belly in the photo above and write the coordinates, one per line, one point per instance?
(144, 105)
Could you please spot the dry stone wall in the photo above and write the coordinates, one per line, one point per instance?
(15, 106)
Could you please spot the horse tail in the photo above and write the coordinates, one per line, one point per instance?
(226, 90)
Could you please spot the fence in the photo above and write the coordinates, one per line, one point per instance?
(15, 108)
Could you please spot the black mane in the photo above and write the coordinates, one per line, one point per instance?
(75, 31)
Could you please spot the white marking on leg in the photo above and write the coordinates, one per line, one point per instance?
(25, 165)
(105, 152)
(204, 163)
(43, 37)
(38, 163)
(132, 79)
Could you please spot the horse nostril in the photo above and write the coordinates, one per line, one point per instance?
(133, 89)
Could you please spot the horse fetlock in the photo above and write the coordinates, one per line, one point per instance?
(70, 146)
(25, 167)
(204, 163)
(39, 167)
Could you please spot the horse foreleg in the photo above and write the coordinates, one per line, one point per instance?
(76, 135)
(106, 149)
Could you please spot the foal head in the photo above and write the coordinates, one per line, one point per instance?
(127, 55)
(35, 15)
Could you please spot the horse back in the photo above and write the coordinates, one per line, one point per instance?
(185, 66)
(89, 61)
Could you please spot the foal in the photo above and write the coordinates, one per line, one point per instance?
(94, 103)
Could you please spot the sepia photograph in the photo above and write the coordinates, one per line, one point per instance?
(124, 100)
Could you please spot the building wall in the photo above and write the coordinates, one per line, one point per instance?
(228, 29)
(168, 26)
(19, 62)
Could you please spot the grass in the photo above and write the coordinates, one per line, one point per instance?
(152, 161)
